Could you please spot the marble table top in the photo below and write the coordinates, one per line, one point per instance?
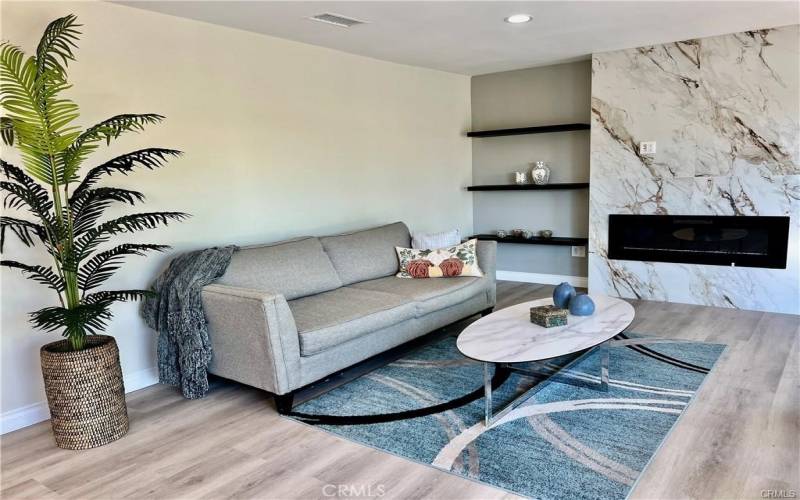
(508, 336)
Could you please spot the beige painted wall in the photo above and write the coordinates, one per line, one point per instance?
(281, 139)
(537, 96)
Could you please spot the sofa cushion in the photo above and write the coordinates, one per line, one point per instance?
(428, 295)
(293, 268)
(332, 318)
(422, 241)
(368, 254)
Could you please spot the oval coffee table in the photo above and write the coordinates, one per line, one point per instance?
(507, 337)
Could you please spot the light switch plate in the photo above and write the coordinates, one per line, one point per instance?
(647, 148)
(579, 251)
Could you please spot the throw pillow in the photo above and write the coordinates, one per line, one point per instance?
(422, 241)
(448, 262)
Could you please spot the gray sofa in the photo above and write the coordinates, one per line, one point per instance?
(288, 314)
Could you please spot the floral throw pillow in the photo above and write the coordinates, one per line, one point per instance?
(448, 262)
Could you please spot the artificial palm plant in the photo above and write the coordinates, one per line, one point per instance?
(83, 377)
(40, 121)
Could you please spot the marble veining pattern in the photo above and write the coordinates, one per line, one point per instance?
(725, 114)
(508, 336)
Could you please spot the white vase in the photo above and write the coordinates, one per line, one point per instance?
(540, 173)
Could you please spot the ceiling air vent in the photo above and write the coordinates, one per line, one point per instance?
(336, 20)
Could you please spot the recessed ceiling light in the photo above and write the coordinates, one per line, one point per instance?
(518, 18)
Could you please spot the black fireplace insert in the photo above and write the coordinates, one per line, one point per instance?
(746, 241)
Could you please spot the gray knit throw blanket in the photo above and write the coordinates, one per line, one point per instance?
(184, 349)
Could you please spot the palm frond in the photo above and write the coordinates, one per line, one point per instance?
(38, 203)
(125, 224)
(19, 196)
(91, 203)
(7, 130)
(116, 125)
(28, 232)
(40, 119)
(104, 264)
(107, 298)
(150, 158)
(106, 130)
(19, 96)
(40, 274)
(83, 318)
(24, 191)
(139, 222)
(55, 47)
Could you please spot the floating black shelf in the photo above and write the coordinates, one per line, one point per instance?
(529, 187)
(535, 240)
(543, 129)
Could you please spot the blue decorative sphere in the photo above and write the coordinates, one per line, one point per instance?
(563, 294)
(581, 305)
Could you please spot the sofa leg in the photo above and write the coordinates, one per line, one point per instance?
(283, 402)
(487, 312)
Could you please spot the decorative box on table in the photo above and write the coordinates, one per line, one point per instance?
(548, 316)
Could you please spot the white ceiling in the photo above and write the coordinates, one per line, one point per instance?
(472, 38)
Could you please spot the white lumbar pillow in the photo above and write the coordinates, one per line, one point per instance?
(429, 241)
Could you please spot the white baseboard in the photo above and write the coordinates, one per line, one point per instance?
(141, 379)
(545, 279)
(38, 412)
(22, 417)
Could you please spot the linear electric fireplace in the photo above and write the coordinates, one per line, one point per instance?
(747, 241)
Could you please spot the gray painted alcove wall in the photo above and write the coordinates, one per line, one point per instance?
(537, 96)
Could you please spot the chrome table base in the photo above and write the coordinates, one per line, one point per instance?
(544, 370)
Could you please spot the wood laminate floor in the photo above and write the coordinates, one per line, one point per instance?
(740, 437)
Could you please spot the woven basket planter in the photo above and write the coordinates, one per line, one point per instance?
(85, 393)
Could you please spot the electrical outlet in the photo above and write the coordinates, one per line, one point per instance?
(647, 148)
(579, 251)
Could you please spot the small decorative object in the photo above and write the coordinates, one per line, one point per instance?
(527, 234)
(581, 305)
(540, 173)
(563, 294)
(548, 316)
(502, 233)
(521, 177)
(517, 233)
(546, 233)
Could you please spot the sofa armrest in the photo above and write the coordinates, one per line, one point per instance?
(253, 337)
(487, 258)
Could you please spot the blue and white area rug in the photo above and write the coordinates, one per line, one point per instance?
(565, 442)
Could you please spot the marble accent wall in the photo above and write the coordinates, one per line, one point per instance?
(725, 112)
